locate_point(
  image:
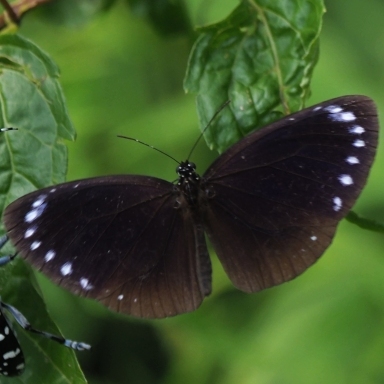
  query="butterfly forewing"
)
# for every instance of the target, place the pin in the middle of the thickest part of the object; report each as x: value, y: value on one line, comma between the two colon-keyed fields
x: 118, y: 239
x: 278, y: 195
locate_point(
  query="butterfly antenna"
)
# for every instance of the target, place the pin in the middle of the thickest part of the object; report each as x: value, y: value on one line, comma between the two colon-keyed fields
x: 149, y: 146
x: 207, y: 126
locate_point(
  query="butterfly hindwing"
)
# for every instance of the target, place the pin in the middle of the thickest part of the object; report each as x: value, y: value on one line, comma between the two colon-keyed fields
x: 278, y: 194
x: 117, y: 239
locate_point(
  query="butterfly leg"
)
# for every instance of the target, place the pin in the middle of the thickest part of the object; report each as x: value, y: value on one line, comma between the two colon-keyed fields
x: 24, y: 323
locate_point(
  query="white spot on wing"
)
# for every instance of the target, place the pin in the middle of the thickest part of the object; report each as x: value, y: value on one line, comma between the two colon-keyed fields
x: 346, y: 179
x: 337, y: 203
x: 66, y: 269
x: 313, y: 238
x: 84, y: 282
x: 11, y: 354
x: 29, y: 232
x: 347, y: 116
x: 357, y: 129
x: 333, y: 109
x: 35, y: 213
x: 40, y: 200
x: 49, y: 255
x: 359, y: 143
x: 35, y: 245
x: 352, y: 160
x: 120, y: 297
x: 342, y: 116
x: 317, y: 108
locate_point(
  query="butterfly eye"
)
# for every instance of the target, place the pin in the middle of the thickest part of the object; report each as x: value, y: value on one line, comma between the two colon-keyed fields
x: 210, y: 192
x: 192, y: 165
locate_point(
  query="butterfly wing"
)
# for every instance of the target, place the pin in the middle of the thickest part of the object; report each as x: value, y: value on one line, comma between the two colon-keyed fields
x: 277, y: 196
x: 118, y: 239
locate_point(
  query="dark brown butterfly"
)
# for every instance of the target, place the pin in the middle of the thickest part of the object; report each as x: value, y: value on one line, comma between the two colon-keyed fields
x: 270, y: 206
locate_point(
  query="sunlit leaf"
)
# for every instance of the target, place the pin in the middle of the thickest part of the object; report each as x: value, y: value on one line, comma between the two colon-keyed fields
x: 261, y: 58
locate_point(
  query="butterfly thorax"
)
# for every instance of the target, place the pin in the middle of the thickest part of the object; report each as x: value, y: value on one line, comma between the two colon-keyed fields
x: 188, y: 182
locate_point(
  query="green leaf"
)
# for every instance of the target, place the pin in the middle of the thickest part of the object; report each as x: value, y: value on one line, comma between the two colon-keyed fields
x: 32, y: 157
x: 31, y: 99
x: 168, y: 17
x: 261, y: 58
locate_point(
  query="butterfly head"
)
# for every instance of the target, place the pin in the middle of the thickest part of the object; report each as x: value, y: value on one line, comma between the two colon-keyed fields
x: 189, y: 181
x: 187, y: 173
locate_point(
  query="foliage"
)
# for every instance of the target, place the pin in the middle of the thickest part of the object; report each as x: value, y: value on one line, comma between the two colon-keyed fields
x: 122, y: 74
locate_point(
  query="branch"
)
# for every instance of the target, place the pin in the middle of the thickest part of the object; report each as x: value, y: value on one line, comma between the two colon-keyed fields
x: 16, y: 10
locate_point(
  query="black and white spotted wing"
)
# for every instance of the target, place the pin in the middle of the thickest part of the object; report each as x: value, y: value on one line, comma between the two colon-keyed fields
x: 11, y: 355
x: 270, y: 205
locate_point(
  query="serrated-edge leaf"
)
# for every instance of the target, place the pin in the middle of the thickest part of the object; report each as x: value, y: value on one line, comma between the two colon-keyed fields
x: 261, y: 58
x: 44, y: 73
x: 32, y: 100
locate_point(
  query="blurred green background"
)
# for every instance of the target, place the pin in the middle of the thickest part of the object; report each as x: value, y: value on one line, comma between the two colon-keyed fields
x: 327, y: 326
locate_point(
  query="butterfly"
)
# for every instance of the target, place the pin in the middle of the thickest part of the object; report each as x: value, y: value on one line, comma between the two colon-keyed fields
x: 270, y: 206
